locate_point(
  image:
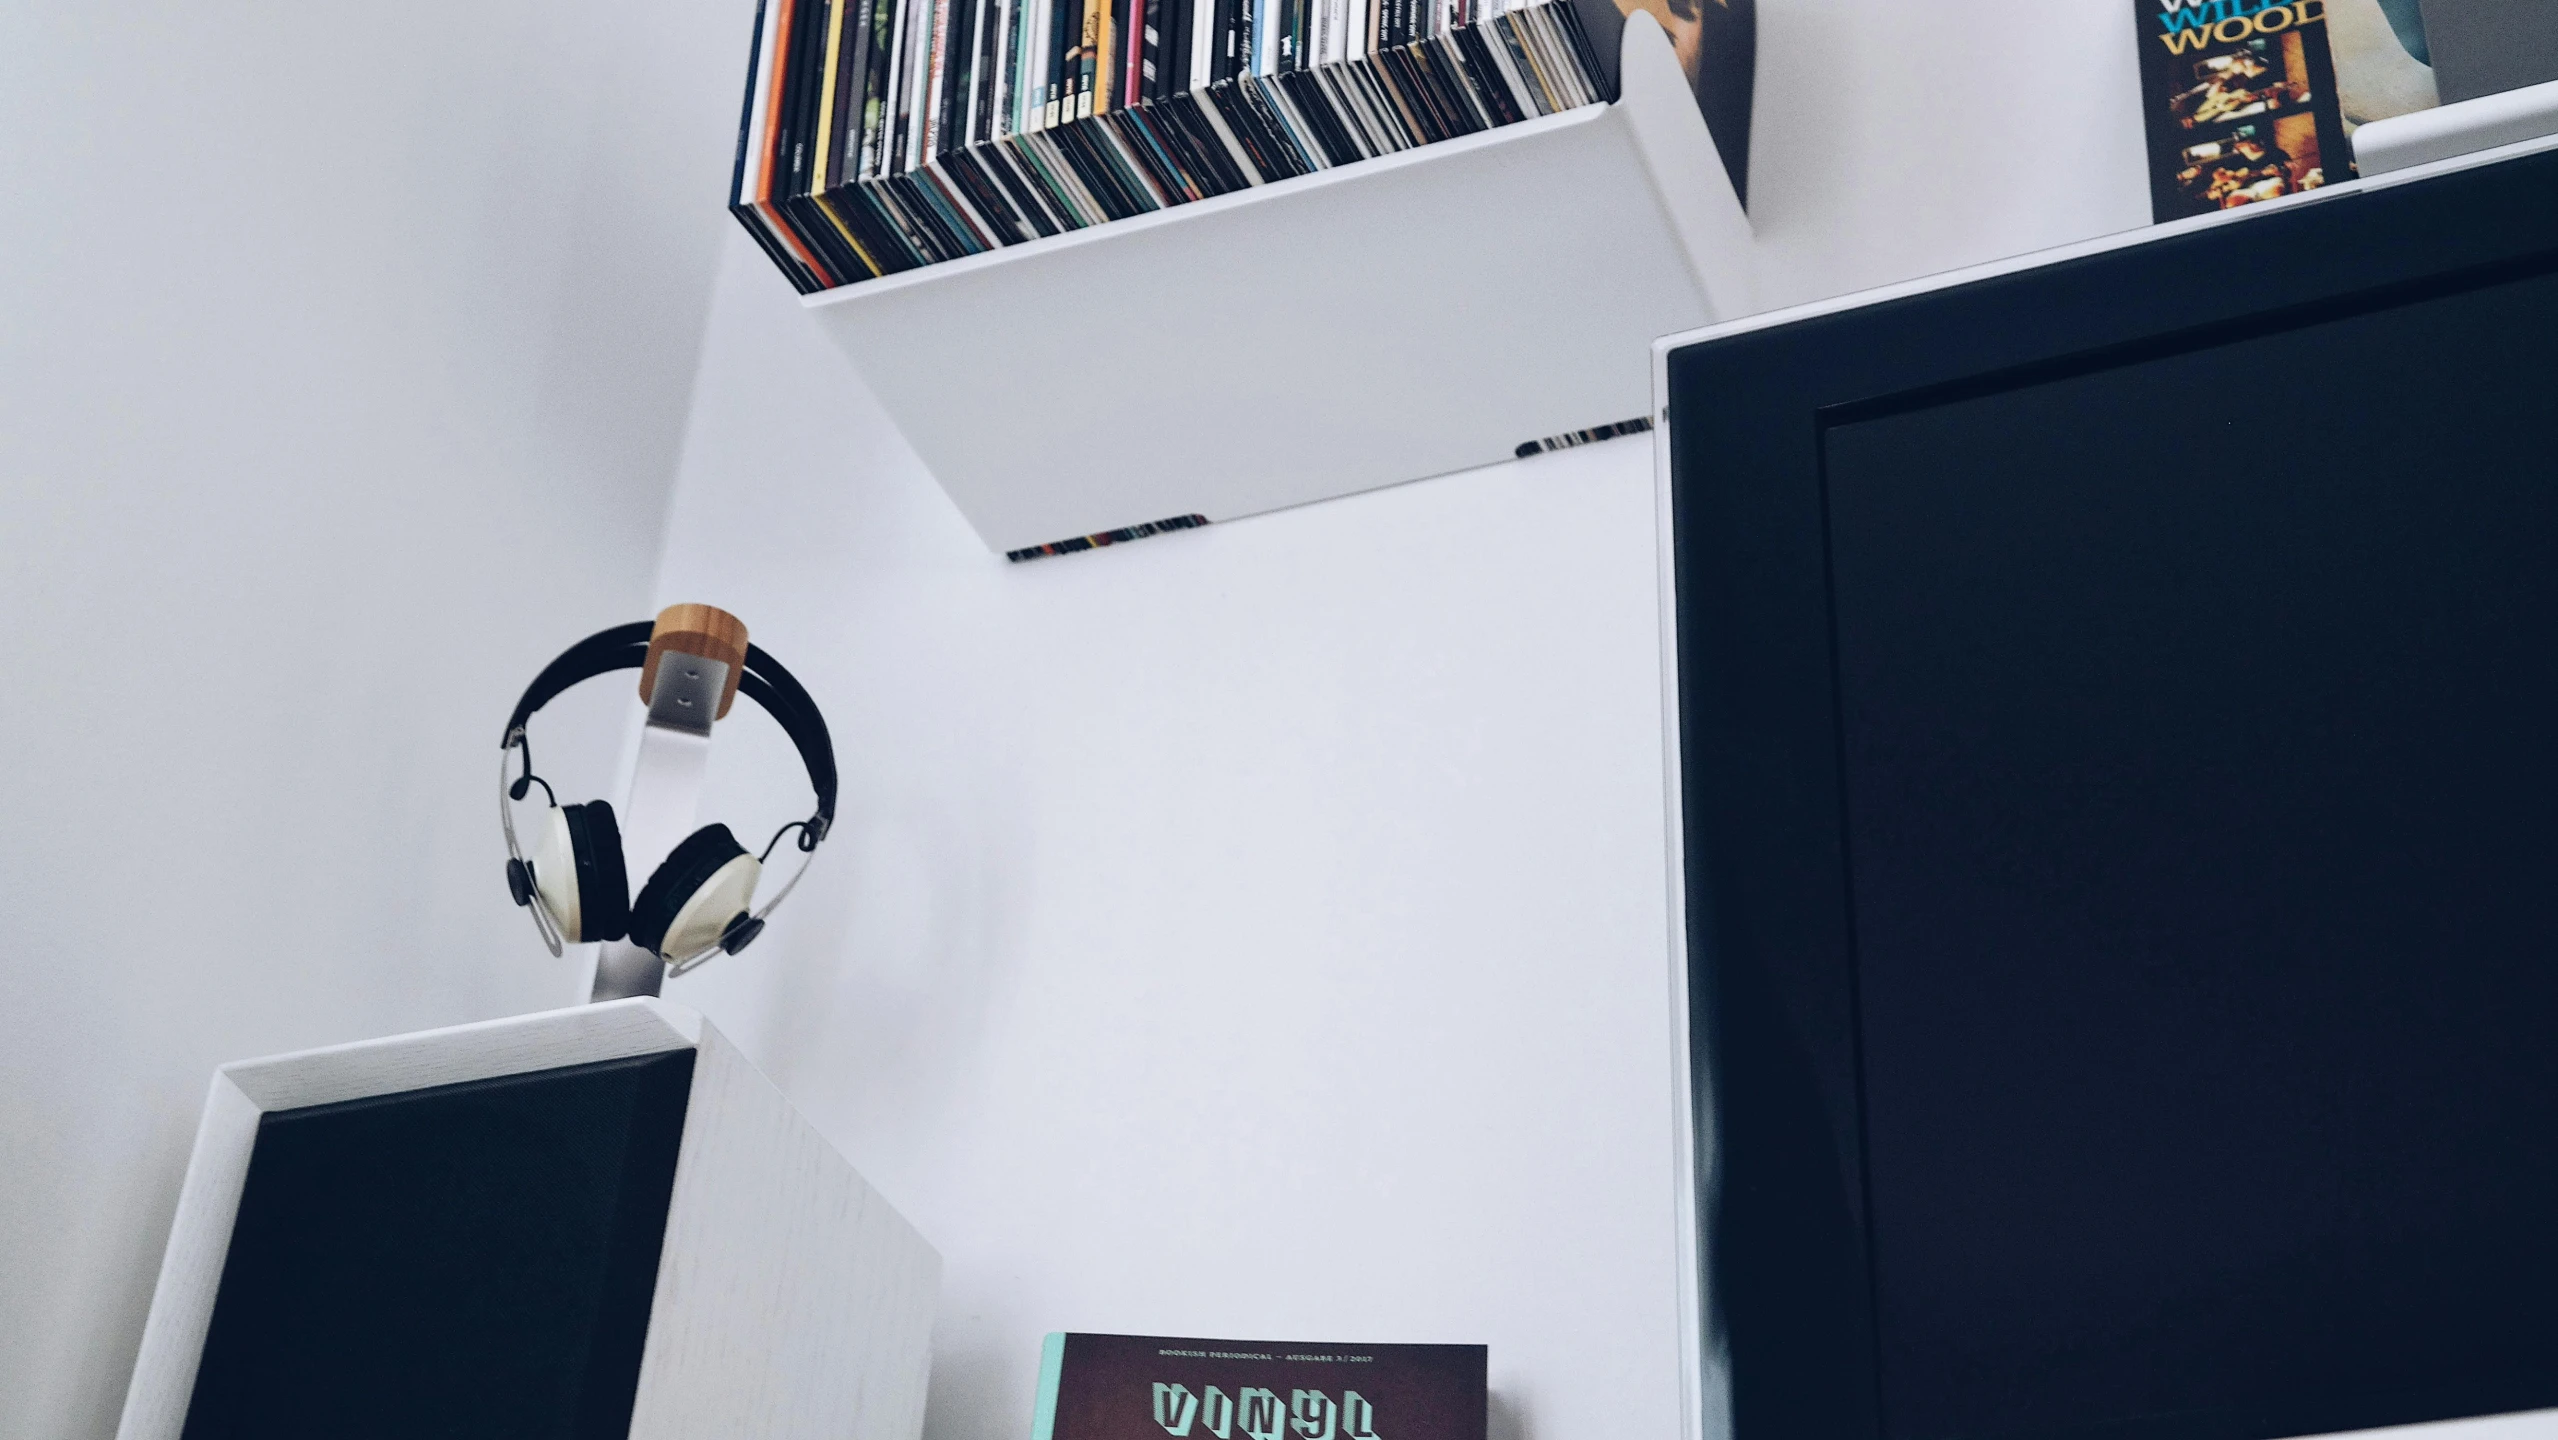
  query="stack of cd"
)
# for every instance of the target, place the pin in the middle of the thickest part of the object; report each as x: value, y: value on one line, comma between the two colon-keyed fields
x: 882, y: 135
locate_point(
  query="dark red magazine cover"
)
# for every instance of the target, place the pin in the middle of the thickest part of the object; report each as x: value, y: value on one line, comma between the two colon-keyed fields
x: 1144, y: 1387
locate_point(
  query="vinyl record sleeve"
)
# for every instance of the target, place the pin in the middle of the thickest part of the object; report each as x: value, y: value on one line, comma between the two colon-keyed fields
x: 1717, y: 43
x: 1141, y: 1387
x: 985, y: 25
x: 1003, y: 42
x: 833, y: 77
x: 878, y: 109
x: 745, y: 181
x: 803, y: 82
x: 756, y: 76
x: 934, y: 105
x: 2239, y: 102
x: 801, y: 79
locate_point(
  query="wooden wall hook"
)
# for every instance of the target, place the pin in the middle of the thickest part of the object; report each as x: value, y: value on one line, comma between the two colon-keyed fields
x: 704, y: 630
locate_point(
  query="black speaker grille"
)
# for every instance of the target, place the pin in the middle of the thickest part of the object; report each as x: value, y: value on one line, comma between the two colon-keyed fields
x: 468, y: 1260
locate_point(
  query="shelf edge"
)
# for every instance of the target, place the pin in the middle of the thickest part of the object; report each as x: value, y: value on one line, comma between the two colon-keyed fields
x: 1273, y: 192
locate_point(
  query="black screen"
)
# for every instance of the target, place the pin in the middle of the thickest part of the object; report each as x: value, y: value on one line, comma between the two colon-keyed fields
x: 2200, y: 754
x: 470, y: 1260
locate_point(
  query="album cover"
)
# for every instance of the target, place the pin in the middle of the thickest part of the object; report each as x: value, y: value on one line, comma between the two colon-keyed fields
x: 2240, y: 103
x: 1141, y: 1387
x: 1717, y: 42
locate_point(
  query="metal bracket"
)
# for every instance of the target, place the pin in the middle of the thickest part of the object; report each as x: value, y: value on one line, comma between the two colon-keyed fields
x: 688, y: 691
x: 663, y: 804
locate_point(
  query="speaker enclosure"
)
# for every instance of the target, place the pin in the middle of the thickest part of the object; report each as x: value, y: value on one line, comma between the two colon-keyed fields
x: 785, y: 1298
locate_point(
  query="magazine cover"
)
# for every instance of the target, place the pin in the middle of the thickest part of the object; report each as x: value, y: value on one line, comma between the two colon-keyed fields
x: 1148, y: 1387
x: 2249, y: 100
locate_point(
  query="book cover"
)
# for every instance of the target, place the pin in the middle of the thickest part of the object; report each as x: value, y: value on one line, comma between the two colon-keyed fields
x: 1144, y: 1387
x: 2239, y: 102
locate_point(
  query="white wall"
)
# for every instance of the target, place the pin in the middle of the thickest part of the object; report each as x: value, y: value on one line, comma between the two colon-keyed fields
x: 1260, y: 932
x: 1256, y: 931
x: 1254, y: 937
x: 343, y: 356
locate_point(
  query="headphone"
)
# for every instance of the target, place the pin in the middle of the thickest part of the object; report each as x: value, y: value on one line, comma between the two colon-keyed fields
x: 697, y: 903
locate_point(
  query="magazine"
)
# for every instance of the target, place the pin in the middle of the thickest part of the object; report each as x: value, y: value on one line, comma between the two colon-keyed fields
x: 1145, y: 1387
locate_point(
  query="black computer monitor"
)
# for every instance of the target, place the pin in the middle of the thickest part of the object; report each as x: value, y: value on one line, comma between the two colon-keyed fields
x: 2118, y: 726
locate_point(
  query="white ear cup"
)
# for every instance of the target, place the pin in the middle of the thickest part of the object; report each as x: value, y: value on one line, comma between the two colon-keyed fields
x: 555, y: 874
x: 704, y: 916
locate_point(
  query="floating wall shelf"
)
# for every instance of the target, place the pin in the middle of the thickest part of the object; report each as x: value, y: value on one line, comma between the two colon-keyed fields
x: 1411, y: 315
x: 2461, y: 128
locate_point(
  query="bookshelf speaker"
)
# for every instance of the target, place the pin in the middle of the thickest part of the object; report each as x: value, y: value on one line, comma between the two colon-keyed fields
x: 593, y: 1223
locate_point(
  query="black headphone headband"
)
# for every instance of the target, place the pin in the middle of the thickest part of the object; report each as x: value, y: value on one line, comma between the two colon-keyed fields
x: 764, y: 681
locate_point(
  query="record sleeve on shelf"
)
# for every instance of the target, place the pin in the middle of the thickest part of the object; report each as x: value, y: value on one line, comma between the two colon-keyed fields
x: 2249, y: 100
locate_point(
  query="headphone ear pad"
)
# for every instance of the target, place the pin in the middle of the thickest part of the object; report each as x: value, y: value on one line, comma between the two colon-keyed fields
x: 603, y: 886
x: 704, y: 883
x: 552, y: 868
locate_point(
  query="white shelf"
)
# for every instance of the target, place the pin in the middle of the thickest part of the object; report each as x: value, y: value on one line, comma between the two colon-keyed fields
x: 1420, y: 313
x: 2403, y: 141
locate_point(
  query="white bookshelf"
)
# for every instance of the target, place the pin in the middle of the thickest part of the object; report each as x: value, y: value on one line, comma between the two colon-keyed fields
x: 1407, y: 316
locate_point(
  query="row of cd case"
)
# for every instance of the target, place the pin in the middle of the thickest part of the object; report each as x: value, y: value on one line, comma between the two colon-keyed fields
x: 883, y: 135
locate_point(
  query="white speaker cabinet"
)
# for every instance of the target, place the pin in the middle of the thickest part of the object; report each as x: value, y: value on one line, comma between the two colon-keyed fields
x: 599, y: 1221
